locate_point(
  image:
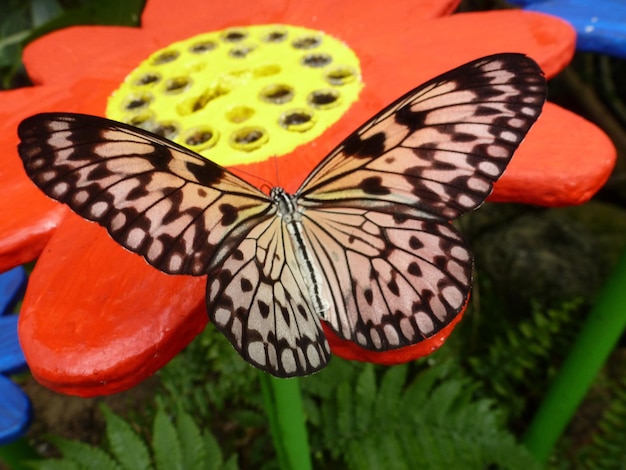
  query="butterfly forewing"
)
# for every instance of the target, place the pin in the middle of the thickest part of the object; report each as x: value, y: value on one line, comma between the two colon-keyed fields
x: 183, y: 213
x: 439, y: 148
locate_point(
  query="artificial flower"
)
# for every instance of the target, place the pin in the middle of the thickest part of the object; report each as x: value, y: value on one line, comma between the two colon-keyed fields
x: 96, y: 319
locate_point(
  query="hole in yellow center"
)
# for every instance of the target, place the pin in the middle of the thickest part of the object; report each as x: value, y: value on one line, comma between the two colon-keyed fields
x: 242, y: 94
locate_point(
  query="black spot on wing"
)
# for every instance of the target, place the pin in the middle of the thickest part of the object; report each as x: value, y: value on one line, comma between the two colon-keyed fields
x: 415, y: 243
x: 374, y: 186
x: 374, y: 145
x: 229, y: 214
x: 264, y: 309
x: 246, y: 285
x: 411, y: 119
x: 207, y: 174
x: 414, y: 269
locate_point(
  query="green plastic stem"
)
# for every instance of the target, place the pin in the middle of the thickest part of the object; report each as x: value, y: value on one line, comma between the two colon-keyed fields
x: 596, y: 340
x: 283, y: 404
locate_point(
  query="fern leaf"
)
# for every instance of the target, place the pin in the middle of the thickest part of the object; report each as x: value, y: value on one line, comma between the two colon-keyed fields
x: 365, y: 394
x: 193, y: 451
x: 213, y: 459
x: 231, y: 464
x: 126, y: 445
x: 165, y: 443
x: 84, y: 455
x: 54, y: 464
x: 389, y: 392
x: 434, y: 423
x: 344, y: 414
x: 606, y: 449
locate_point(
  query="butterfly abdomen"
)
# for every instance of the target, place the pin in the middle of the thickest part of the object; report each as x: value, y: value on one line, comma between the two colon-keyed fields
x: 290, y: 214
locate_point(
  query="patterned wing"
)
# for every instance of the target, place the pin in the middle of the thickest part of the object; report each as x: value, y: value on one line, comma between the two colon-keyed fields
x: 394, y: 279
x: 259, y: 300
x: 376, y: 211
x: 185, y: 215
x: 181, y: 212
x: 440, y: 147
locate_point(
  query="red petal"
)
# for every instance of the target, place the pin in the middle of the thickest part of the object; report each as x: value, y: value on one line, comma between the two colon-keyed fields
x: 349, y: 350
x: 365, y: 17
x: 565, y: 160
x: 97, y: 319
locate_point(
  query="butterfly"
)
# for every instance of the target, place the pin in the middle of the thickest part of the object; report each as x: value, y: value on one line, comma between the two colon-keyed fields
x: 365, y: 245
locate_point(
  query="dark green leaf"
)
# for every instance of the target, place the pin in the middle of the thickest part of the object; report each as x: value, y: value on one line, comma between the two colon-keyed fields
x: 127, y: 446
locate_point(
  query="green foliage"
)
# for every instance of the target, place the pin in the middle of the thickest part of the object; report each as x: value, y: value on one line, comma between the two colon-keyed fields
x: 208, y: 376
x: 177, y: 444
x: 209, y: 380
x: 518, y: 363
x: 433, y: 421
x: 21, y: 22
x: 607, y: 449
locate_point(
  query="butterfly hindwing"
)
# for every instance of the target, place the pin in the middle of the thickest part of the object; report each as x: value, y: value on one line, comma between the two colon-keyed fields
x: 180, y: 211
x: 258, y: 299
x: 440, y: 147
x: 394, y: 279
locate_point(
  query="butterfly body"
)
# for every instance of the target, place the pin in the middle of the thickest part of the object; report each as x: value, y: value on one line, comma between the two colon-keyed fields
x: 365, y: 244
x: 290, y: 214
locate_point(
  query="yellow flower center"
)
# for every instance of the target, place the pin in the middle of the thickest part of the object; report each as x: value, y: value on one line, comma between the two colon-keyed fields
x: 241, y: 95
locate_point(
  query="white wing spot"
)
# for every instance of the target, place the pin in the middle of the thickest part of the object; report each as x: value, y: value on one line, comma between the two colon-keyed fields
x: 135, y: 238
x: 466, y: 201
x: 478, y: 184
x: 81, y: 196
x: 460, y: 253
x: 256, y: 351
x: 407, y: 328
x: 99, y: 208
x: 375, y: 338
x: 288, y: 360
x: 222, y: 316
x: 175, y: 263
x: 425, y: 323
x: 360, y: 338
x: 47, y: 175
x: 489, y: 168
x: 509, y: 136
x: 118, y: 220
x: 453, y: 296
x: 497, y: 151
x: 392, y: 335
x: 155, y: 250
x: 313, y: 356
x: 37, y: 163
x: 60, y: 189
x: 237, y: 330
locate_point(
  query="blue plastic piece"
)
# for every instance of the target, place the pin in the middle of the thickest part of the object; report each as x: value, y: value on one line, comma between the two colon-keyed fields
x: 12, y: 287
x: 15, y: 411
x: 600, y: 24
x: 15, y: 407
